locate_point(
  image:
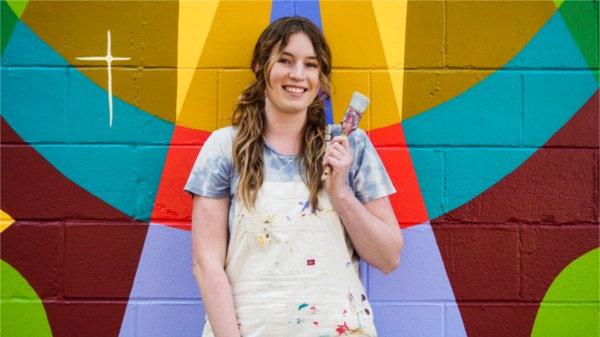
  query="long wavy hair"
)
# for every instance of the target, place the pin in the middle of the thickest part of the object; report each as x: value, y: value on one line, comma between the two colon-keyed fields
x: 249, y: 114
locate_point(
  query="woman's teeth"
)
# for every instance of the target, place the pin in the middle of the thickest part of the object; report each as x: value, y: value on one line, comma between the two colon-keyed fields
x: 295, y: 90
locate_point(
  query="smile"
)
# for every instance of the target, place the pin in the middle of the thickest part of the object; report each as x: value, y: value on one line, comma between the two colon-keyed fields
x: 294, y: 90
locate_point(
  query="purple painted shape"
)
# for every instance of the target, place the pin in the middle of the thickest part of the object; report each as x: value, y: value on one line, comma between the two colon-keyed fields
x: 420, y: 277
x: 164, y: 274
x: 452, y: 315
x: 171, y: 319
x: 408, y: 320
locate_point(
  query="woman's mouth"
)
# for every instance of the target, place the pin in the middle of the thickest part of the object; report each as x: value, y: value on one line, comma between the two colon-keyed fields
x: 294, y: 90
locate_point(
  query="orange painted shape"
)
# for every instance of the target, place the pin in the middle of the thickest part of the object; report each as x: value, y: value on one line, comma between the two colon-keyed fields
x: 408, y: 202
x: 173, y: 206
x: 5, y: 221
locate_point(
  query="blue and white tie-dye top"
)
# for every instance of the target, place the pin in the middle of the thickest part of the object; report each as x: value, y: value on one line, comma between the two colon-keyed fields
x: 214, y: 174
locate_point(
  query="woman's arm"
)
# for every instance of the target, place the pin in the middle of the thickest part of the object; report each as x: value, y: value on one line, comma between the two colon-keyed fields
x: 372, y: 226
x: 209, y: 248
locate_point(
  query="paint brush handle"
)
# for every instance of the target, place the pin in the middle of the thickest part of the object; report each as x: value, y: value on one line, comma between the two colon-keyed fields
x: 328, y: 168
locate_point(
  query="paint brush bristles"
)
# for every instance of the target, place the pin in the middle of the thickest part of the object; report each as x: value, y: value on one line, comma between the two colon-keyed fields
x: 356, y: 108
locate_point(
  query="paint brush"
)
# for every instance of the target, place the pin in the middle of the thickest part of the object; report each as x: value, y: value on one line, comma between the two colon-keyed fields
x: 354, y: 112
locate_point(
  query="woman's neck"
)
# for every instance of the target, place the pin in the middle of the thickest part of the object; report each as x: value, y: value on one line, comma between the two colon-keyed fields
x: 284, y: 131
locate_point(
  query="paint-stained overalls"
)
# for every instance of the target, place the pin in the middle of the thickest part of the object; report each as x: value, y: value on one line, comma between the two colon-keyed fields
x: 290, y: 270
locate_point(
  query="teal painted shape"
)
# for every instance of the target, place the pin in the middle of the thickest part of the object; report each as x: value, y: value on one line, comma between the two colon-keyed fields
x: 121, y: 165
x: 490, y: 115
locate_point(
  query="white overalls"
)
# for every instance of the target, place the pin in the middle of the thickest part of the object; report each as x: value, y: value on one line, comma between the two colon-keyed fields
x: 290, y: 270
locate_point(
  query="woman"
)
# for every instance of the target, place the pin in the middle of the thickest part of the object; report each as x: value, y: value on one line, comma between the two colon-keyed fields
x: 273, y: 245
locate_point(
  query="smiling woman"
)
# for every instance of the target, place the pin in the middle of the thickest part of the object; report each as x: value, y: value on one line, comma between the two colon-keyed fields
x: 275, y: 249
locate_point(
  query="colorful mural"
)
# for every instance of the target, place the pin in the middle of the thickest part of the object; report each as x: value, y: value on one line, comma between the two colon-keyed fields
x: 485, y: 114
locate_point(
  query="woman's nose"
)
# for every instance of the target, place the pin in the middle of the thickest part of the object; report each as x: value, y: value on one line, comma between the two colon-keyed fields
x: 297, y: 71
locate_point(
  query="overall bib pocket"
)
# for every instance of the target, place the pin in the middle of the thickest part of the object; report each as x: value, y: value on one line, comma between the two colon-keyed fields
x: 282, y: 247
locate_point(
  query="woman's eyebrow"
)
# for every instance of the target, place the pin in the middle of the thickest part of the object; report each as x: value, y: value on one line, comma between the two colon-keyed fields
x: 292, y: 55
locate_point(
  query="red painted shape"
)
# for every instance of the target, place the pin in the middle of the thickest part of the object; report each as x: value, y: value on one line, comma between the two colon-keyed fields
x: 510, y: 242
x: 173, y: 206
x: 310, y: 262
x: 408, y: 202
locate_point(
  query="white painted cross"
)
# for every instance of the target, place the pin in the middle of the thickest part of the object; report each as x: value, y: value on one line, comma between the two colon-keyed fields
x: 109, y: 59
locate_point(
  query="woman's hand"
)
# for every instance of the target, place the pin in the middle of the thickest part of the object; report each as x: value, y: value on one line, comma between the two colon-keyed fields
x: 338, y: 156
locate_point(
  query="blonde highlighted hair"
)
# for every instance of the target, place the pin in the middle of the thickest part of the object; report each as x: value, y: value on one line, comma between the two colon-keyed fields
x: 249, y: 117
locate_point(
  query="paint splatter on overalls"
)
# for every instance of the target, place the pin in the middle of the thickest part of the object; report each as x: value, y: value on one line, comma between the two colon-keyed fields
x: 290, y: 270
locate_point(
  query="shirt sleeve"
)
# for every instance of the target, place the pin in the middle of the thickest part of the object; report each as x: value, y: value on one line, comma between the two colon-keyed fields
x: 368, y: 177
x: 211, y: 173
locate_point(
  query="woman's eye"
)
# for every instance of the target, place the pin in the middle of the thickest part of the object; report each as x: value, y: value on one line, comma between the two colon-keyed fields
x: 286, y: 61
x: 312, y: 65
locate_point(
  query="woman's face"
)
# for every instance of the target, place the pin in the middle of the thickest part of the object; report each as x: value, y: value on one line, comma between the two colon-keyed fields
x: 294, y: 78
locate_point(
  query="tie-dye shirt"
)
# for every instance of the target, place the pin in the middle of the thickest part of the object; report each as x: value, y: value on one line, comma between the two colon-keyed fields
x: 214, y: 175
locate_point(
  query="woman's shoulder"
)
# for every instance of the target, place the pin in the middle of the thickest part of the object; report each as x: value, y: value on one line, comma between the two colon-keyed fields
x: 222, y: 139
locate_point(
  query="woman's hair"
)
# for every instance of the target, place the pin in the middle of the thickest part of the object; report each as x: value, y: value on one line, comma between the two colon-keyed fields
x: 249, y: 115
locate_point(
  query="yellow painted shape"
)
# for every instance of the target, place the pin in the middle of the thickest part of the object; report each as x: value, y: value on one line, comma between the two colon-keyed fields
x: 231, y: 84
x: 558, y: 2
x: 17, y: 6
x: 374, y: 41
x: 199, y: 110
x: 5, y: 221
x: 228, y: 47
x: 352, y: 33
x: 195, y: 20
x: 385, y: 110
x: 345, y: 82
x: 487, y: 34
x: 391, y: 21
x: 424, y: 35
x: 235, y: 30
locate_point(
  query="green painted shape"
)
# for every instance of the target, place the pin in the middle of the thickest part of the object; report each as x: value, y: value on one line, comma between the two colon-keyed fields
x: 9, y: 21
x: 571, y: 307
x: 558, y: 2
x: 17, y: 6
x: 22, y: 311
x: 581, y: 18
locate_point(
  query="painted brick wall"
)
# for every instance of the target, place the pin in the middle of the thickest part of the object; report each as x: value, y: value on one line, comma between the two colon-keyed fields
x: 485, y: 114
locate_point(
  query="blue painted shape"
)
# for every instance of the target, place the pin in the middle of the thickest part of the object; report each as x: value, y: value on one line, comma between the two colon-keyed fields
x: 309, y: 9
x: 409, y: 319
x: 420, y: 277
x: 27, y: 51
x: 165, y: 272
x: 281, y: 8
x: 490, y: 113
x: 20, y: 107
x: 125, y: 176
